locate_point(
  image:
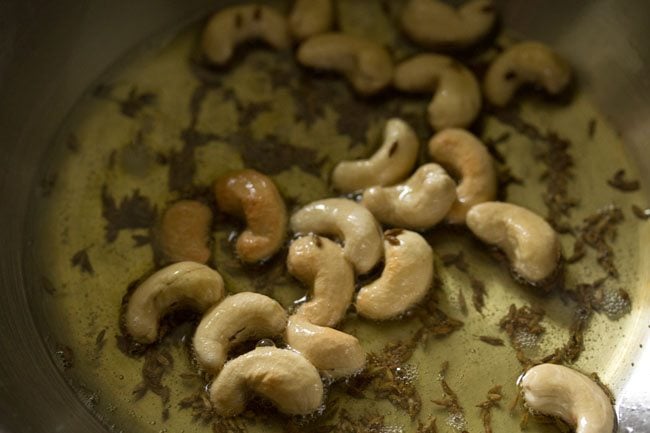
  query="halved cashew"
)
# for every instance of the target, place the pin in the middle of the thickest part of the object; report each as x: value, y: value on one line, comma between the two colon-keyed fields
x: 321, y: 264
x: 237, y: 318
x: 531, y: 244
x: 406, y: 278
x: 348, y: 220
x: 366, y: 64
x: 461, y: 152
x: 457, y: 95
x: 252, y: 195
x: 525, y: 62
x: 334, y: 353
x: 391, y: 163
x: 562, y: 392
x: 435, y: 24
x: 311, y: 17
x: 282, y: 376
x: 185, y: 232
x: 231, y: 26
x: 184, y: 284
x: 419, y: 203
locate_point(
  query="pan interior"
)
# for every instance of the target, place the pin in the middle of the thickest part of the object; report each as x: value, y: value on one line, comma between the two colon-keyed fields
x: 158, y: 128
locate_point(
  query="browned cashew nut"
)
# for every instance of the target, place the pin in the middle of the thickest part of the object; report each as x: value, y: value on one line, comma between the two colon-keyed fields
x: 321, y: 264
x: 234, y: 25
x: 461, y: 152
x: 334, y: 353
x: 525, y: 62
x: 252, y: 195
x: 184, y: 284
x: 456, y: 93
x: 366, y: 64
x: 406, y: 278
x: 236, y: 319
x: 311, y: 17
x: 437, y: 25
x: 282, y: 376
x: 531, y: 244
x: 391, y: 163
x: 184, y: 232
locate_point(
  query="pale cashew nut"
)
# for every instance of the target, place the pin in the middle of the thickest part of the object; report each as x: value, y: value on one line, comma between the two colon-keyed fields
x: 321, y: 264
x: 419, y: 203
x: 406, y: 278
x: 562, y: 392
x: 231, y: 26
x: 236, y: 319
x: 525, y: 62
x: 334, y: 353
x: 252, y: 195
x: 311, y: 17
x: 184, y: 232
x: 457, y: 95
x: 391, y: 163
x: 461, y: 152
x: 282, y: 376
x: 348, y: 220
x: 531, y: 244
x: 181, y: 285
x: 437, y: 25
x: 366, y: 64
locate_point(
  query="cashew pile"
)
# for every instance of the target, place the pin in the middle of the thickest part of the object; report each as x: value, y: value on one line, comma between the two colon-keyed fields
x: 181, y: 285
x: 419, y: 203
x: 393, y: 192
x: 562, y: 392
x: 462, y: 153
x: 456, y: 93
x: 531, y: 244
x: 367, y: 65
x: 434, y: 24
x: 232, y: 26
x: 525, y: 62
x: 253, y: 196
x: 311, y: 17
x: 406, y: 278
x: 185, y: 232
x: 391, y: 163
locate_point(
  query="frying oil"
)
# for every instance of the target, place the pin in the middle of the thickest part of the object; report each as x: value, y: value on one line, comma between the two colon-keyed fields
x: 160, y: 127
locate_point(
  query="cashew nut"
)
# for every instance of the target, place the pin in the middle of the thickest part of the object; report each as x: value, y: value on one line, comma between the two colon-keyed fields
x: 406, y: 278
x: 185, y: 232
x: 184, y: 284
x: 366, y: 64
x: 461, y: 152
x: 320, y: 264
x: 437, y: 25
x: 391, y: 163
x: 250, y: 194
x: 531, y: 244
x: 231, y: 26
x: 334, y: 353
x: 419, y: 203
x: 354, y: 224
x: 564, y: 393
x: 282, y: 376
x: 311, y: 17
x: 457, y: 95
x: 237, y: 318
x: 525, y: 62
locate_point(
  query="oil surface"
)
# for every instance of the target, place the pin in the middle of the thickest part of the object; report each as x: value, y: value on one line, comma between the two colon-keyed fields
x: 160, y: 128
